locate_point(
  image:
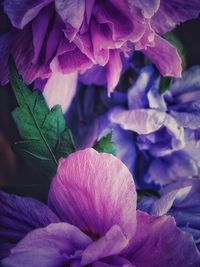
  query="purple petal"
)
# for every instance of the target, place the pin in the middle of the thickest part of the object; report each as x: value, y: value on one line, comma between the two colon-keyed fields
x: 18, y: 216
x: 189, y: 82
x: 114, y: 68
x: 142, y: 121
x: 71, y: 11
x: 53, y: 246
x: 137, y: 93
x: 23, y: 54
x: 111, y: 244
x: 187, y: 120
x: 22, y: 12
x: 171, y: 168
x: 113, y: 14
x: 148, y: 8
x: 60, y: 89
x: 160, y: 243
x: 94, y: 192
x: 174, y: 12
x: 95, y: 75
x: 165, y: 57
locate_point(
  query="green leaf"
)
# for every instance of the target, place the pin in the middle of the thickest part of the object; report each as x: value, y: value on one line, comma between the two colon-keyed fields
x: 173, y: 39
x: 44, y: 133
x: 164, y: 84
x: 105, y: 145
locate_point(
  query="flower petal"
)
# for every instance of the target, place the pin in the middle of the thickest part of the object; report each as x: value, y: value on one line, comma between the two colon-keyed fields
x: 71, y: 11
x: 171, y: 13
x: 22, y: 12
x: 165, y: 57
x: 149, y: 8
x: 142, y: 121
x: 60, y: 89
x: 94, y: 192
x: 160, y: 243
x: 52, y: 246
x: 18, y: 216
x: 114, y: 68
x: 111, y: 244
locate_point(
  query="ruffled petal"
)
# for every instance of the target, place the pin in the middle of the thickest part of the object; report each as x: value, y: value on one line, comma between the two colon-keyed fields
x: 18, y: 216
x: 160, y: 243
x: 94, y: 192
x: 165, y: 57
x: 142, y: 121
x: 137, y: 97
x: 188, y: 83
x: 171, y: 168
x: 22, y: 12
x: 171, y: 13
x: 53, y: 246
x: 71, y: 11
x: 149, y: 8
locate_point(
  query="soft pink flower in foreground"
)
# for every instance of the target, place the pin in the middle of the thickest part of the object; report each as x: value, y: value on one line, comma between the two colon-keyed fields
x: 95, y: 222
x: 68, y: 36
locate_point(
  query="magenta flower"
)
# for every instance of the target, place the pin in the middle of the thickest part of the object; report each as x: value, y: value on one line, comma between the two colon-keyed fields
x: 91, y: 221
x: 70, y: 36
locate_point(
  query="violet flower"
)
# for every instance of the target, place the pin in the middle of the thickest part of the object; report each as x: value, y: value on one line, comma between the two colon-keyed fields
x: 157, y: 135
x: 55, y: 36
x: 180, y: 200
x: 90, y: 220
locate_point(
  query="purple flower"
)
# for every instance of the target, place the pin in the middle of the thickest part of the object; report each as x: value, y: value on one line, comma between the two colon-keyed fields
x: 49, y: 36
x: 167, y: 125
x: 157, y: 135
x: 91, y: 219
x: 180, y: 200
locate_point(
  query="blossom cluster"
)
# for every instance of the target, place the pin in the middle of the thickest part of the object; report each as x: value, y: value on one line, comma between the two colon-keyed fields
x: 104, y: 63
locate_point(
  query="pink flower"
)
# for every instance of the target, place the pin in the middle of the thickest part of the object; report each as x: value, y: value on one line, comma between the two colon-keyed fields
x: 91, y: 220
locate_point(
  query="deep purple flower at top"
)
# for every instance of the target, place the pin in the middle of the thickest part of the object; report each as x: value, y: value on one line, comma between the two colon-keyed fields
x: 91, y: 221
x: 180, y: 200
x: 56, y: 36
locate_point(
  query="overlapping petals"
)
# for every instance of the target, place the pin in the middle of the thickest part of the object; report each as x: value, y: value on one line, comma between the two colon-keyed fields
x: 75, y: 36
x: 94, y: 197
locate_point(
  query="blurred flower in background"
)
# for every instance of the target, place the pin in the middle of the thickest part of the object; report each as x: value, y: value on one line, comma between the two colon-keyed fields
x: 180, y: 200
x: 159, y: 130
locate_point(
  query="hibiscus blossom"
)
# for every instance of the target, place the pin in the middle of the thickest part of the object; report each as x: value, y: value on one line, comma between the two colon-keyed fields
x: 55, y: 36
x: 90, y: 220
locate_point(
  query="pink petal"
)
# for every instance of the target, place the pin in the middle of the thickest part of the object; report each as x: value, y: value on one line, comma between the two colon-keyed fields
x: 159, y: 242
x: 60, y: 89
x: 165, y: 57
x: 94, y: 192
